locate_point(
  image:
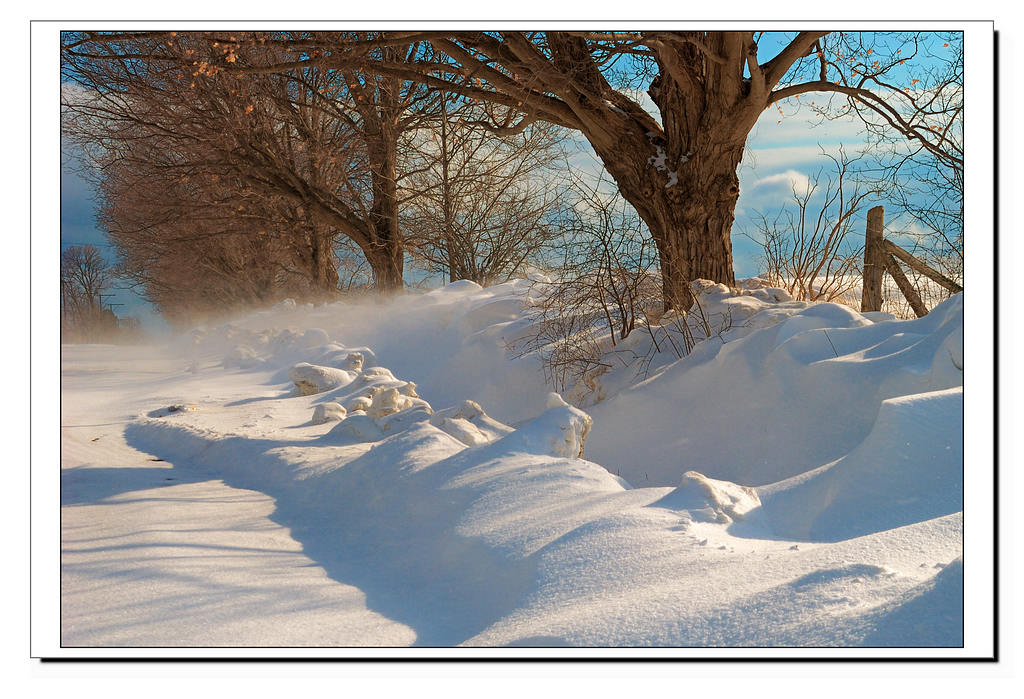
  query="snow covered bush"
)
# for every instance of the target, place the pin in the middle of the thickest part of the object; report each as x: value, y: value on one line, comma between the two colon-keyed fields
x: 328, y: 412
x: 310, y: 379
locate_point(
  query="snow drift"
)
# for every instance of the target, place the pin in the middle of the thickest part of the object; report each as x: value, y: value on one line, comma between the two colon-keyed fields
x: 779, y: 401
x: 796, y: 479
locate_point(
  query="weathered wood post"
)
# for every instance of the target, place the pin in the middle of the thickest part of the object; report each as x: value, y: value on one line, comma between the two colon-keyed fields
x: 909, y: 292
x: 874, y: 261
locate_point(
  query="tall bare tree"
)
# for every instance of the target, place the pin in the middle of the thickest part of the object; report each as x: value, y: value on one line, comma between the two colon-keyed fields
x: 709, y: 88
x: 84, y: 276
x: 477, y: 205
x: 196, y: 252
x: 324, y: 139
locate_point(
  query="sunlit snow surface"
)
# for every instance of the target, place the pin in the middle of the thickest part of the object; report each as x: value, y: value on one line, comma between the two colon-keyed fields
x: 797, y: 480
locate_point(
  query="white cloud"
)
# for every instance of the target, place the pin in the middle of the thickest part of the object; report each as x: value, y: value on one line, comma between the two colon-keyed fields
x: 788, y: 182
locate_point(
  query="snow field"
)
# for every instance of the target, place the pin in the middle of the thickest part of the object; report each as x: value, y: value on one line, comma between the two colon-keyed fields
x: 158, y: 556
x: 795, y: 480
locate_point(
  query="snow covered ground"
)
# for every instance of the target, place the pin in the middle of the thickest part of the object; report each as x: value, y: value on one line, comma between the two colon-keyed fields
x: 385, y: 474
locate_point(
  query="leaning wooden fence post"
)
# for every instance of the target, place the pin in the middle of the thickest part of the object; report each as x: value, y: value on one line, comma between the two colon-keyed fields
x: 909, y: 292
x: 874, y: 261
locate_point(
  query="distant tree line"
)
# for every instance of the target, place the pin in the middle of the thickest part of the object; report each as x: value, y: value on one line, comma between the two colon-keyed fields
x: 84, y: 276
x: 220, y: 190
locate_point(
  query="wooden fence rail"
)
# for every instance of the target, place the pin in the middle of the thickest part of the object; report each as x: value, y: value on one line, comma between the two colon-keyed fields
x: 880, y: 256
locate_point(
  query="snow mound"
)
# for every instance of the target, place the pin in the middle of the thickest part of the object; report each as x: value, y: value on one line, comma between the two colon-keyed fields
x: 908, y: 469
x: 560, y: 431
x: 328, y: 412
x: 289, y: 343
x: 376, y: 372
x: 711, y: 500
x: 354, y: 359
x: 469, y: 424
x: 310, y: 379
x: 357, y: 427
x: 758, y: 405
x: 243, y: 357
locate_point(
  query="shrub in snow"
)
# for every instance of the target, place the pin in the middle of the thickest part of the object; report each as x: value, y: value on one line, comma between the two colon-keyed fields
x: 311, y: 379
x: 387, y: 401
x: 354, y: 362
x: 328, y: 412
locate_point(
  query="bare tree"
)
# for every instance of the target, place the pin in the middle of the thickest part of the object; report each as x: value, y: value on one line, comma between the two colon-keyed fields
x: 325, y: 140
x: 709, y: 87
x: 476, y: 205
x: 607, y: 286
x: 84, y: 276
x: 924, y: 189
x: 201, y: 244
x: 807, y: 247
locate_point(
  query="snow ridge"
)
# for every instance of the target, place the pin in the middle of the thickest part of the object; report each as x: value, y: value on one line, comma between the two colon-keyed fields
x: 725, y: 489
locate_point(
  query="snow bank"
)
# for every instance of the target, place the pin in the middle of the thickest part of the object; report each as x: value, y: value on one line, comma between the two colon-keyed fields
x: 908, y: 469
x: 414, y: 507
x: 796, y: 478
x: 779, y: 401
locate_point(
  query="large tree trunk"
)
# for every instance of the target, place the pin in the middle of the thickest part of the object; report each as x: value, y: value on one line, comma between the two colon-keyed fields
x: 385, y: 251
x: 680, y: 175
x: 324, y: 270
x: 688, y: 204
x: 690, y: 217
